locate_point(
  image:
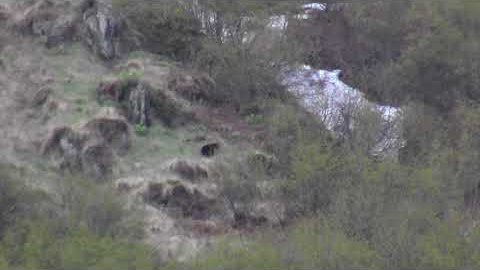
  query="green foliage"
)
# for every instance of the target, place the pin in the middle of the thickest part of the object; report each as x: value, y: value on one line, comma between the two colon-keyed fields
x: 318, y: 245
x: 255, y: 119
x: 16, y: 199
x: 130, y: 74
x: 166, y: 27
x: 310, y: 244
x: 141, y: 130
x: 38, y: 244
x: 85, y: 228
x: 231, y: 254
x: 398, y: 51
x: 450, y: 244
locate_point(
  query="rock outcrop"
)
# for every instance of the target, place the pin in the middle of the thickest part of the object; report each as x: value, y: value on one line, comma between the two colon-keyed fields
x: 89, y: 150
x: 111, y: 130
x: 180, y: 199
x: 188, y: 170
x: 142, y: 102
x: 139, y: 104
x: 131, y: 95
x: 91, y: 21
x: 104, y: 31
x: 64, y: 146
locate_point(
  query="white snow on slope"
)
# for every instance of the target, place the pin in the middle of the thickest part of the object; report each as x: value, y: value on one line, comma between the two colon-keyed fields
x: 335, y: 103
x: 314, y: 6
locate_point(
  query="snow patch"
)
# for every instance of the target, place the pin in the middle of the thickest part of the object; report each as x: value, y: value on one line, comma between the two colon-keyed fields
x: 336, y: 103
x: 314, y: 6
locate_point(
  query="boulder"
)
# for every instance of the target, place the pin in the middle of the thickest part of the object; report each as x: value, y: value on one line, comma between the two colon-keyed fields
x: 114, y: 131
x: 64, y: 145
x: 91, y: 149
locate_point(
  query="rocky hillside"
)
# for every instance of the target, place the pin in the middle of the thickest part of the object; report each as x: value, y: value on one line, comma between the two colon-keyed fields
x: 208, y: 134
x: 80, y: 97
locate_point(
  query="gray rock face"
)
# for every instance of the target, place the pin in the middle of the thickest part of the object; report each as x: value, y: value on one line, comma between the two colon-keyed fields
x: 133, y: 95
x: 91, y: 21
x: 139, y: 105
x: 101, y: 30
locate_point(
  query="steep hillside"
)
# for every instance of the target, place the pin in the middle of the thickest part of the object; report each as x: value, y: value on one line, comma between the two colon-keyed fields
x: 204, y: 134
x: 73, y: 103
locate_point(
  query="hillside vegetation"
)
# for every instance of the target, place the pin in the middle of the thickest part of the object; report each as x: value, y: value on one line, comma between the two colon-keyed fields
x: 169, y: 134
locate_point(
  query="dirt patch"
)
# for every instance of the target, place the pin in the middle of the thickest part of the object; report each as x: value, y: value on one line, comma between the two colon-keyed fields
x: 193, y: 87
x: 180, y: 199
x: 114, y: 131
x: 188, y: 170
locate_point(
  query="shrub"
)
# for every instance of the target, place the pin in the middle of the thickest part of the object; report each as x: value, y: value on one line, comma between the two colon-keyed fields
x: 231, y: 254
x: 309, y: 244
x: 449, y: 244
x: 317, y: 244
x: 167, y: 27
x: 39, y: 244
x: 254, y: 119
x: 141, y: 130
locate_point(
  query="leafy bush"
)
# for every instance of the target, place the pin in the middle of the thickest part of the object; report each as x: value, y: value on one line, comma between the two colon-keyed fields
x: 130, y: 74
x: 38, y: 244
x: 254, y: 119
x: 309, y: 244
x: 141, y: 130
x: 449, y: 244
x: 231, y: 254
x: 166, y: 27
x: 316, y: 244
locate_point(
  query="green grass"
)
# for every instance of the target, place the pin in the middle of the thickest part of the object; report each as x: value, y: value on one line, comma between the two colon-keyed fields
x: 309, y: 244
x: 160, y: 144
x: 73, y: 86
x: 137, y: 54
x: 130, y: 74
x: 73, y: 47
